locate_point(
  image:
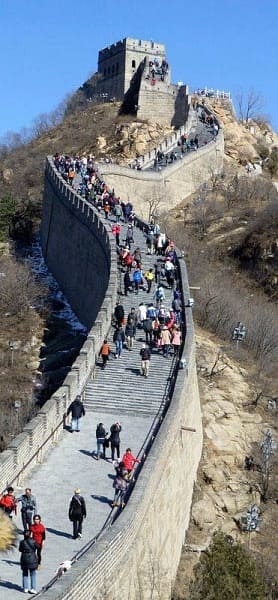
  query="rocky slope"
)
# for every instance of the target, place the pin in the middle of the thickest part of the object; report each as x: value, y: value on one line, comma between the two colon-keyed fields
x: 233, y: 427
x: 243, y: 141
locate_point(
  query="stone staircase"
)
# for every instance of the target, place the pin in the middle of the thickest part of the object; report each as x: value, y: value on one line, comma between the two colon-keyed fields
x: 120, y: 387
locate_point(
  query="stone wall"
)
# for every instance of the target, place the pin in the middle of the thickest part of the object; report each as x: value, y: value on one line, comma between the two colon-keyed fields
x: 30, y: 447
x: 164, y: 102
x: 137, y: 558
x: 173, y: 184
x: 76, y: 246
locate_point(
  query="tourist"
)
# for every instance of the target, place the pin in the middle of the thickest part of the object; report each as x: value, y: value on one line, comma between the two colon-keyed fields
x: 129, y: 236
x: 129, y: 460
x: 159, y: 296
x: 38, y: 534
x: 118, y: 339
x: 165, y: 340
x: 119, y: 314
x: 149, y: 277
x: 145, y: 354
x: 130, y: 332
x: 28, y: 562
x: 127, y: 282
x: 141, y: 313
x: 8, y: 502
x: 159, y: 271
x: 115, y: 441
x: 118, y: 212
x: 176, y: 340
x: 137, y: 279
x: 148, y: 329
x: 177, y: 308
x: 28, y: 507
x: 77, y: 512
x: 101, y: 434
x: 104, y: 353
x: 120, y: 486
x: 77, y: 410
x: 132, y: 315
x: 151, y: 311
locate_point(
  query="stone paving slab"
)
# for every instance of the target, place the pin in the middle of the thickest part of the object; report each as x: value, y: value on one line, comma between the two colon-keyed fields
x: 67, y: 466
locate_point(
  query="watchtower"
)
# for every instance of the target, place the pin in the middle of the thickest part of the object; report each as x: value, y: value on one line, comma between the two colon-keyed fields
x: 117, y: 64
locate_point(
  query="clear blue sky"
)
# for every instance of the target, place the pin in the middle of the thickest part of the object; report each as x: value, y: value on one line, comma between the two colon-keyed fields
x: 49, y: 48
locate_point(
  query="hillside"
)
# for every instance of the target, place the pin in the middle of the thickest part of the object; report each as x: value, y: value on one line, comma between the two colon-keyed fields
x: 98, y: 130
x: 233, y: 222
x: 228, y: 231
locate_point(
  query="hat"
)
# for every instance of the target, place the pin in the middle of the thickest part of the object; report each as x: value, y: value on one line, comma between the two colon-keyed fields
x: 77, y: 491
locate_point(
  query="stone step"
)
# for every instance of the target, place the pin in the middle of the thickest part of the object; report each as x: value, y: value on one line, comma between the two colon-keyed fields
x: 120, y: 387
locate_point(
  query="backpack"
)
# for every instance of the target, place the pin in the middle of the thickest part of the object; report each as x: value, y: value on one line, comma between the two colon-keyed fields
x: 159, y: 294
x: 151, y: 312
x: 100, y: 431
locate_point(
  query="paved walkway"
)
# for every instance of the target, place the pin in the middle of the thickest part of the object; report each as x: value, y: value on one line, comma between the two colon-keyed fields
x: 70, y: 464
x: 203, y: 131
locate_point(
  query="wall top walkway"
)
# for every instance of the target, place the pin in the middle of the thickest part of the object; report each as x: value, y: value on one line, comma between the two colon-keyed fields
x: 170, y: 170
x: 53, y: 482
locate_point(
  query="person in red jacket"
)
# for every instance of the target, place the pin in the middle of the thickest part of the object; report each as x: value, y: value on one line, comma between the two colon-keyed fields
x: 8, y: 502
x: 38, y: 534
x: 129, y: 460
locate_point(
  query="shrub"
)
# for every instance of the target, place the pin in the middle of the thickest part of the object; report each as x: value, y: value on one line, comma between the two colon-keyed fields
x: 262, y: 150
x: 7, y: 211
x: 272, y: 163
x: 226, y: 572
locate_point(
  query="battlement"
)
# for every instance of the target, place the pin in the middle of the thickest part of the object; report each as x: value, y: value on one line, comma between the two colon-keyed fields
x: 148, y: 47
x: 144, y: 46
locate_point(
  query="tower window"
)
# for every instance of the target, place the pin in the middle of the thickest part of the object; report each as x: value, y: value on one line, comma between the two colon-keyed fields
x: 133, y: 64
x: 117, y: 67
x: 104, y: 72
x: 113, y: 68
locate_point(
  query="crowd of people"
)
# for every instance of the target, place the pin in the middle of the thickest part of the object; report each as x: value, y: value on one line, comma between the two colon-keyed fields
x: 34, y: 534
x: 160, y: 324
x: 157, y: 71
x: 34, y: 531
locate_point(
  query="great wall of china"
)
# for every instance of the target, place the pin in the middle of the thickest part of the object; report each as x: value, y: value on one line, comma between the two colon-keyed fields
x: 143, y: 545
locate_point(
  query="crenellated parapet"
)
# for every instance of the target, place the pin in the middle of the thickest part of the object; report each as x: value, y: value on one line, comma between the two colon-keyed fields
x: 75, y: 239
x: 140, y: 550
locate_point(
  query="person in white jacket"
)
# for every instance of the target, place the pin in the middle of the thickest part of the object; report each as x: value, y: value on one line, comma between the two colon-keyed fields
x: 141, y: 313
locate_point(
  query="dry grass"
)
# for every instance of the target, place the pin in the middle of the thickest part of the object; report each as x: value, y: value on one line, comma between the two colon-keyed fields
x: 7, y: 533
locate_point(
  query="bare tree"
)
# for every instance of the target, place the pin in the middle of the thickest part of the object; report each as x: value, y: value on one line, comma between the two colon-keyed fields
x: 18, y: 288
x: 249, y: 105
x: 154, y: 201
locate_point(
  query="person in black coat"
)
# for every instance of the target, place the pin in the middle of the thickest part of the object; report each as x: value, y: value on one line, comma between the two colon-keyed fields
x: 29, y: 562
x: 115, y: 430
x: 130, y: 332
x: 119, y: 314
x: 127, y: 282
x: 77, y: 410
x: 77, y: 512
x: 148, y: 329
